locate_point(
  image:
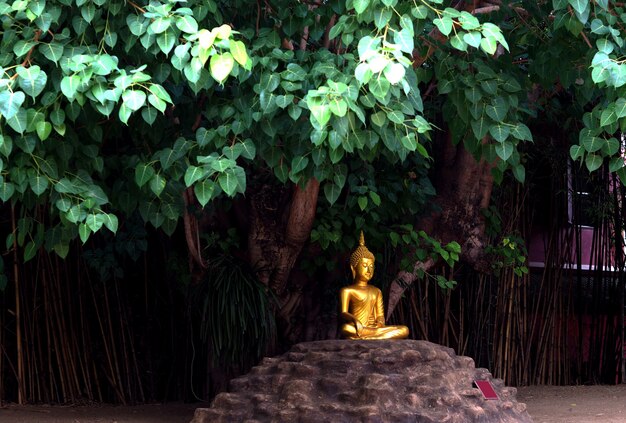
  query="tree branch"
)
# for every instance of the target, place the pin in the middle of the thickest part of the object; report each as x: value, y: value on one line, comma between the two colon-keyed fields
x: 192, y: 235
x: 402, y: 282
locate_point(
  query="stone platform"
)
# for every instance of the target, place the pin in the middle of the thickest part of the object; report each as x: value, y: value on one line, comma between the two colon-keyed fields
x: 364, y: 381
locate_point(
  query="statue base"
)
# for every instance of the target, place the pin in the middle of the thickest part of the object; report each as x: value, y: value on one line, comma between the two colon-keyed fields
x: 364, y: 381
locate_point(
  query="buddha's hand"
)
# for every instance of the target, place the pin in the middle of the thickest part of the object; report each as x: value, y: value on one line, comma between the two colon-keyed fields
x: 359, y: 327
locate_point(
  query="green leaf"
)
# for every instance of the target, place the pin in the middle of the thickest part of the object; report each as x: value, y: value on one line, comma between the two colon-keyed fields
x: 75, y: 214
x: 473, y: 38
x: 593, y: 162
x: 204, y: 191
x: 94, y: 221
x: 375, y: 198
x: 362, y: 202
x: 104, y: 65
x: 488, y: 45
x: 221, y: 65
x: 282, y: 172
x: 248, y: 149
x: 166, y: 41
x: 187, y: 24
x: 134, y: 99
x: 193, y: 174
x: 498, y: 109
x: 52, y: 51
x: 499, y: 132
x: 149, y: 114
x: 382, y: 17
x: 63, y: 204
x: 299, y: 163
x: 222, y: 164
x: 6, y: 191
x: 504, y: 150
x: 521, y: 132
x: 283, y: 101
x: 160, y: 92
x: 321, y: 113
x: 610, y: 147
x: 608, y: 116
x: 576, y: 152
x: 379, y: 87
x: 22, y: 47
x: 157, y: 184
x: 30, y: 251
x: 616, y: 163
x: 19, y: 121
x: 10, y: 103
x: 396, y: 116
x: 473, y: 94
x: 520, y: 173
x: 394, y: 72
x: 143, y: 174
x: 84, y: 232
x: 360, y: 6
x: 38, y: 183
x: 331, y: 192
x: 444, y: 25
x: 338, y: 107
x: 228, y: 182
x: 31, y: 80
x: 368, y: 47
x: 420, y: 12
x: 458, y: 43
x: 238, y: 50
x: 620, y: 107
x: 110, y: 221
x: 409, y: 142
x: 43, y: 130
x: 480, y: 127
x: 593, y: 144
x: 404, y: 39
x: 69, y: 85
x: 579, y: 5
x: 160, y: 24
x: 124, y: 113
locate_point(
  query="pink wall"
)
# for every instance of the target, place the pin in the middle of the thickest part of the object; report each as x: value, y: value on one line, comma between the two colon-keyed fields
x: 539, y: 243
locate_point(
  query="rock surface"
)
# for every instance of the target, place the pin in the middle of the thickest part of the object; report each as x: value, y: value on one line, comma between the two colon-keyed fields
x: 364, y: 381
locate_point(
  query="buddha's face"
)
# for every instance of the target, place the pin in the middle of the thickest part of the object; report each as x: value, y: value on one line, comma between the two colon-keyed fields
x: 364, y: 270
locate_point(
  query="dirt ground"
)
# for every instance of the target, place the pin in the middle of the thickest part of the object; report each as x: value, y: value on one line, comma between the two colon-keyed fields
x: 546, y: 404
x: 575, y: 404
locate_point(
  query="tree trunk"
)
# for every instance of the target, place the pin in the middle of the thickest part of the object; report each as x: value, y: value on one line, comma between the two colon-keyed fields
x: 464, y: 188
x: 278, y: 231
x: 277, y: 234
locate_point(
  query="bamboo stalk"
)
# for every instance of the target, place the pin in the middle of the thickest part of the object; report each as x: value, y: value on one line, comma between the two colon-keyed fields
x: 111, y: 339
x: 82, y: 342
x: 18, y: 323
x: 2, y: 342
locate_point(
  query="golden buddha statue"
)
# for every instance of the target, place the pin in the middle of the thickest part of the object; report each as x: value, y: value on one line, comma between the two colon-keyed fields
x: 362, y: 304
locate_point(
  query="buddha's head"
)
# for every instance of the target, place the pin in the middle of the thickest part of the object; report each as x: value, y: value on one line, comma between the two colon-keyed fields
x: 362, y: 261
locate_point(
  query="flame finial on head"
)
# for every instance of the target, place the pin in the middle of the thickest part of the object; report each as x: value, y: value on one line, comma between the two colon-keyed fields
x: 360, y: 252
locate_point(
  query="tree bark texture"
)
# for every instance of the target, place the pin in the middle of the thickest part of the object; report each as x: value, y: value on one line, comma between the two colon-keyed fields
x: 278, y: 233
x: 464, y: 187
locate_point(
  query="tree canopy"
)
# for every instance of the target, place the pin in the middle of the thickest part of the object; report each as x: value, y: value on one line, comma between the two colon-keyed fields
x: 160, y: 109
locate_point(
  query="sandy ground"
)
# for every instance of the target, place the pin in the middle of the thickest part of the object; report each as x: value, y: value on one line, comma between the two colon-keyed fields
x: 158, y: 413
x: 575, y: 404
x: 546, y: 404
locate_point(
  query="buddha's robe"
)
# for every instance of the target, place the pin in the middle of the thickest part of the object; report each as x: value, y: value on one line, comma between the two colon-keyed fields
x: 365, y: 303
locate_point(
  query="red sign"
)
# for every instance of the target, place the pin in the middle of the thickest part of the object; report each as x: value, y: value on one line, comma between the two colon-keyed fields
x: 487, y: 389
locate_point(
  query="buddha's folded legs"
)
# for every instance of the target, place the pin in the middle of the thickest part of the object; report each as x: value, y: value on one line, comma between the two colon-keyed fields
x: 386, y: 332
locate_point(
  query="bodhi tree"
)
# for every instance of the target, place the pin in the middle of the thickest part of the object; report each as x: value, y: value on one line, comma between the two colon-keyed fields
x: 290, y: 121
